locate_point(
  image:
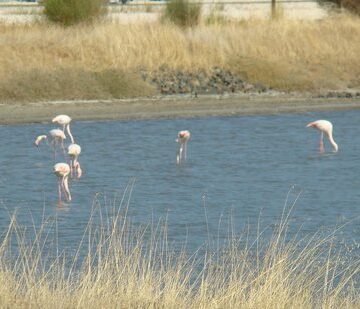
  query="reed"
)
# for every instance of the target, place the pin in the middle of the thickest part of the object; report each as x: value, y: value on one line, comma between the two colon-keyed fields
x: 137, y: 267
x: 284, y: 54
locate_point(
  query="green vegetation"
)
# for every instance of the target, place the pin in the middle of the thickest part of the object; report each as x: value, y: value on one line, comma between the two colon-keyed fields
x: 182, y: 13
x: 70, y: 12
x: 352, y: 5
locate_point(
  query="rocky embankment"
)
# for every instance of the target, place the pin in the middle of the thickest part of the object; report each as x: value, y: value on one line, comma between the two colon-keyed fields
x: 215, y: 81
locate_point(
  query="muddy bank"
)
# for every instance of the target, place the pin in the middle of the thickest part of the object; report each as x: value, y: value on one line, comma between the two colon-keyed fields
x: 170, y: 107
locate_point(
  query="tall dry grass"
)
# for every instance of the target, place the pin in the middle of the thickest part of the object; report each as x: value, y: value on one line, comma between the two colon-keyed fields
x: 138, y: 268
x: 284, y: 54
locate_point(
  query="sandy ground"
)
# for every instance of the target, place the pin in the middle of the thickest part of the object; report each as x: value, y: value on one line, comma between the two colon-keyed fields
x: 167, y: 107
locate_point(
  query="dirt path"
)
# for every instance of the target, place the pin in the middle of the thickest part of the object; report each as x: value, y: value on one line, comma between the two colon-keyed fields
x: 168, y: 108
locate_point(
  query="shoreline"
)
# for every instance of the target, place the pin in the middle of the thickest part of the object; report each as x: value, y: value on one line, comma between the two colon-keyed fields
x: 167, y: 107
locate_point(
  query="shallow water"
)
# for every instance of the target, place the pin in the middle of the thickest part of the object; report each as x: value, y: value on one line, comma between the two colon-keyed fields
x: 238, y: 167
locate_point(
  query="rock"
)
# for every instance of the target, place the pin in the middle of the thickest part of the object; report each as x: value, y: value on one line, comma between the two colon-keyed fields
x: 260, y: 87
x: 216, y: 81
x: 248, y: 87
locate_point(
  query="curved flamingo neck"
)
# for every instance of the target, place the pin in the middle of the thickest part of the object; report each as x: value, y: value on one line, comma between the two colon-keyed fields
x: 69, y: 132
x: 78, y: 169
x: 332, y: 142
x: 66, y: 187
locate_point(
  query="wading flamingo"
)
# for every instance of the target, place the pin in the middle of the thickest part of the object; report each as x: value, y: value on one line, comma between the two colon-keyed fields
x: 57, y: 137
x: 74, y: 151
x: 183, y: 138
x: 62, y: 171
x: 64, y: 120
x: 324, y: 126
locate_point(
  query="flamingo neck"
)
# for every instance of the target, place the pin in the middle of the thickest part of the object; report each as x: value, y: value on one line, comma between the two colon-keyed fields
x: 78, y: 170
x: 332, y: 142
x: 66, y: 187
x: 69, y: 132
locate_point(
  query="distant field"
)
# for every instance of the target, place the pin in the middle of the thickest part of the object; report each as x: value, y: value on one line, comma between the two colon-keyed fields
x: 41, y: 61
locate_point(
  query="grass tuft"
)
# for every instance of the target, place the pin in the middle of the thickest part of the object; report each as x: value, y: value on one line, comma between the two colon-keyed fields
x: 137, y: 267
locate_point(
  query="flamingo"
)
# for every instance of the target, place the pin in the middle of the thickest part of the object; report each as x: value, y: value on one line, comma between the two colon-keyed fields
x: 74, y: 151
x: 324, y: 126
x: 64, y: 120
x: 62, y: 171
x: 57, y: 136
x: 183, y: 138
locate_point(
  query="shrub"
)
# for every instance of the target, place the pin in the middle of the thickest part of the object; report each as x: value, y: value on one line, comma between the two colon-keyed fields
x: 70, y: 12
x: 352, y: 5
x: 182, y: 13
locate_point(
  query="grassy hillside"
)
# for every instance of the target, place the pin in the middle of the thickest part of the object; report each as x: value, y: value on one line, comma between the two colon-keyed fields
x: 43, y: 61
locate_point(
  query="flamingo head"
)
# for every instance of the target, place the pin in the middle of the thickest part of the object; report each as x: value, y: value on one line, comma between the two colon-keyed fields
x: 39, y: 139
x: 311, y: 125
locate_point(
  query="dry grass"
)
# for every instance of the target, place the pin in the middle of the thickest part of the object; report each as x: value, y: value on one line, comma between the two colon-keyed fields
x: 130, y: 268
x: 284, y: 54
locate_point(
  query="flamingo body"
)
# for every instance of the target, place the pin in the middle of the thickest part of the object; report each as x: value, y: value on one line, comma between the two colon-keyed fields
x: 62, y: 171
x: 57, y: 134
x: 325, y: 127
x: 64, y: 120
x: 74, y: 151
x: 183, y: 138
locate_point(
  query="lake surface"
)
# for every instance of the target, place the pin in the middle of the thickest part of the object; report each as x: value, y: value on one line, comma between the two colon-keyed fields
x: 238, y: 167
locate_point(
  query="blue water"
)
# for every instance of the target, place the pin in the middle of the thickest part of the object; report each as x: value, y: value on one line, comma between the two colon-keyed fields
x: 238, y: 167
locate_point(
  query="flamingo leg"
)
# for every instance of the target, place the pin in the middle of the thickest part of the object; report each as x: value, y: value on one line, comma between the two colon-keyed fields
x: 181, y: 149
x: 71, y: 168
x: 178, y: 158
x: 59, y: 185
x: 53, y: 145
x: 321, y: 144
x: 178, y: 155
x: 185, y: 150
x: 62, y: 147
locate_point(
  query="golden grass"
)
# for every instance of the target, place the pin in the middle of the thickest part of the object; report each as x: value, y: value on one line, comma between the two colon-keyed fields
x: 284, y: 54
x: 137, y: 268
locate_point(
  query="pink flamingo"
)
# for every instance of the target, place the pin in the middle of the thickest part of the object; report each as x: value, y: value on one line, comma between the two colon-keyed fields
x: 324, y: 126
x: 183, y: 138
x: 74, y: 151
x: 57, y: 136
x: 62, y: 171
x: 64, y: 120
